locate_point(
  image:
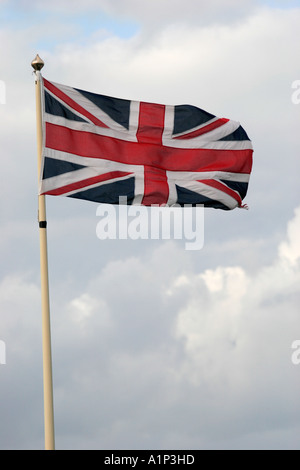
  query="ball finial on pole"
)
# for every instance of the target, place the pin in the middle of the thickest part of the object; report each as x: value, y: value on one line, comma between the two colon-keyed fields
x: 37, y: 63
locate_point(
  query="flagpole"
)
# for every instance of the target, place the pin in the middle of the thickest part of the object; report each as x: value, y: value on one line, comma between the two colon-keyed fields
x: 37, y: 65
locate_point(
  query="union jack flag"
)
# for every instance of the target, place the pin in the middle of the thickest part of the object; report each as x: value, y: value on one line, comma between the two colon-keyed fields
x: 100, y: 148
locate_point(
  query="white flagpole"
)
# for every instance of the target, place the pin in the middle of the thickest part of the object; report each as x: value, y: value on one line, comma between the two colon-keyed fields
x: 37, y: 65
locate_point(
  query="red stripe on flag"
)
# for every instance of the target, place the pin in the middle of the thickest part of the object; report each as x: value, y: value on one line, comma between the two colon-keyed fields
x: 86, y: 144
x: 66, y: 99
x: 87, y: 182
x: 203, y: 130
x: 156, y: 188
x: 151, y: 123
x: 222, y: 187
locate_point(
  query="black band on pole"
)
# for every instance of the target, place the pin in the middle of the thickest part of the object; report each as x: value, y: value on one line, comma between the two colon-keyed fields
x: 43, y: 224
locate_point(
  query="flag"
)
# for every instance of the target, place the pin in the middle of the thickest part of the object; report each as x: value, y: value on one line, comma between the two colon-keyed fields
x: 101, y: 148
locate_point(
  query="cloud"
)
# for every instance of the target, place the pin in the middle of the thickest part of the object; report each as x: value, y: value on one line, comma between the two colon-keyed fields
x: 237, y: 330
x: 155, y: 12
x: 175, y: 355
x: 186, y: 62
x: 213, y: 345
x: 227, y: 295
x: 290, y: 249
x: 21, y: 392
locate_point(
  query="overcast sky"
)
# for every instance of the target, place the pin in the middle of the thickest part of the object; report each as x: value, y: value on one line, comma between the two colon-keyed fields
x: 155, y: 346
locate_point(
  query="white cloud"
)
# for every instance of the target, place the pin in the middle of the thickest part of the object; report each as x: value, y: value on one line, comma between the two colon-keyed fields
x: 152, y: 335
x: 237, y: 330
x: 290, y: 249
x: 218, y: 337
x: 154, y: 12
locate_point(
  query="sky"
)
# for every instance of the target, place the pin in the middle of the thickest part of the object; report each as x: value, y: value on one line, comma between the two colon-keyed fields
x: 155, y: 346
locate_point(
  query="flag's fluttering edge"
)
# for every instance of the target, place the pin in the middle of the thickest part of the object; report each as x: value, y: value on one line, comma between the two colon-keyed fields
x: 99, y: 148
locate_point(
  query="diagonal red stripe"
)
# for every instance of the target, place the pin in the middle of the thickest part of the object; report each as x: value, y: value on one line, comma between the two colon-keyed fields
x: 87, y: 182
x: 222, y: 187
x: 66, y: 99
x: 204, y: 130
